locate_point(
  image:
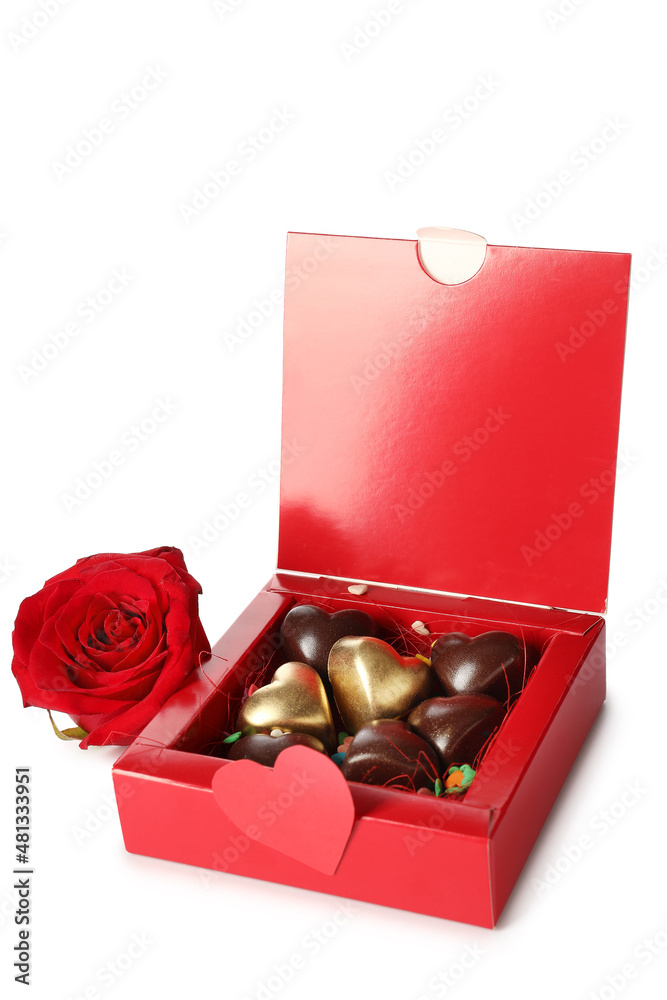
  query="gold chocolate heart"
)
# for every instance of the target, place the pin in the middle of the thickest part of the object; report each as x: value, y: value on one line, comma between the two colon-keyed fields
x: 295, y: 701
x: 371, y: 681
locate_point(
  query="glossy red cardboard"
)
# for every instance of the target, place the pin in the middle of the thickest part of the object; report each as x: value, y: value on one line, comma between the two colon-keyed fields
x: 364, y: 449
x: 451, y: 435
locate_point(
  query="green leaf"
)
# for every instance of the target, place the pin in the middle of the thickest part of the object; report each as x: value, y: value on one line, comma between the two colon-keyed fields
x: 233, y: 738
x: 75, y: 733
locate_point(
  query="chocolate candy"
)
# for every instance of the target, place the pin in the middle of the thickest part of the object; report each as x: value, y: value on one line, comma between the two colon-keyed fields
x: 387, y: 752
x: 457, y: 728
x: 371, y: 680
x: 295, y: 701
x: 264, y: 749
x: 492, y: 664
x: 308, y: 633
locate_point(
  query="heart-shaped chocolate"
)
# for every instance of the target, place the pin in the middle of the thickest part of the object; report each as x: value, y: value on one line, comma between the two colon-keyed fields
x: 295, y: 700
x: 387, y: 752
x: 492, y: 663
x: 371, y: 680
x: 308, y: 633
x: 457, y: 728
x: 264, y: 749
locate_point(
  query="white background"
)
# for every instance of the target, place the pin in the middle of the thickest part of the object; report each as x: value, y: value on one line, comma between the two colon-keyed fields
x: 356, y: 110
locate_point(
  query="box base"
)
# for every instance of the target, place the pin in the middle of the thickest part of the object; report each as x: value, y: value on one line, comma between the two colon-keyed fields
x: 457, y: 859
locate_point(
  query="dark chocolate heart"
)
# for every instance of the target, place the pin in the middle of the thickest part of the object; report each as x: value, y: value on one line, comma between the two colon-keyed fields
x: 387, y: 752
x: 308, y: 633
x: 457, y: 728
x: 493, y: 663
x: 264, y: 749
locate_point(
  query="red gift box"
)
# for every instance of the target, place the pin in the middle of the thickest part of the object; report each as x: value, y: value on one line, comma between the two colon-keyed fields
x: 451, y: 411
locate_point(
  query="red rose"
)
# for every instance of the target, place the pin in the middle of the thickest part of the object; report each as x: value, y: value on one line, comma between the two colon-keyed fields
x: 109, y: 640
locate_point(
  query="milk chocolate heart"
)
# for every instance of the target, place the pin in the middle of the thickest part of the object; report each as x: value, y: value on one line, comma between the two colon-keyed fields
x: 457, y: 728
x: 387, y: 752
x: 264, y: 749
x: 492, y: 663
x: 371, y: 680
x: 308, y: 633
x: 295, y: 700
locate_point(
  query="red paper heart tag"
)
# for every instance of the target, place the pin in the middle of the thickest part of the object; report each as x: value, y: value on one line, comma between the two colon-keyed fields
x: 301, y: 807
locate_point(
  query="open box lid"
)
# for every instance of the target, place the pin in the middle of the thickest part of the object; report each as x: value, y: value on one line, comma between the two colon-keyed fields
x: 452, y: 437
